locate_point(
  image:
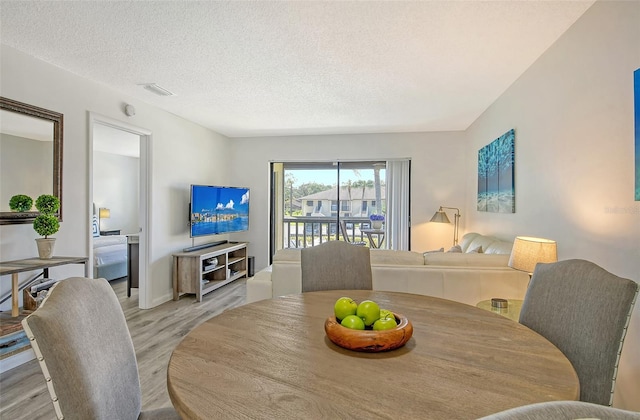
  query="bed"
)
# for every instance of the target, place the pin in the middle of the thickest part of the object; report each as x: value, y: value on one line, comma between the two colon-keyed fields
x: 110, y: 256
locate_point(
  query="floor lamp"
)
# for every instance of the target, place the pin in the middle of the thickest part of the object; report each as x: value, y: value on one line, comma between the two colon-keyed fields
x: 441, y: 217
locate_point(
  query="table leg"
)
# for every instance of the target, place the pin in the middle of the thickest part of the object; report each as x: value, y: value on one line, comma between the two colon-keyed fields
x: 372, y: 243
x: 15, y: 308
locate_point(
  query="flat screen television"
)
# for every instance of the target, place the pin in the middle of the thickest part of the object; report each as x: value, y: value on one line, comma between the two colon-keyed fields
x: 216, y: 210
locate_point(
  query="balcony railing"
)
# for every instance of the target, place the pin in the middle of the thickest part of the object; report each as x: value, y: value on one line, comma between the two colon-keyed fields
x: 302, y: 231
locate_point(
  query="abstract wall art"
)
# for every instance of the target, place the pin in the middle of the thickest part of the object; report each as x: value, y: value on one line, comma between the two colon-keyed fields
x: 496, y: 187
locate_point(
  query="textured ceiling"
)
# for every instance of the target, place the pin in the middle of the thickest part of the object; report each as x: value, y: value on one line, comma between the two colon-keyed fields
x: 303, y: 67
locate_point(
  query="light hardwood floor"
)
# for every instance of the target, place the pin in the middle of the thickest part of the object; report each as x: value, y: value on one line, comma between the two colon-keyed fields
x: 155, y: 333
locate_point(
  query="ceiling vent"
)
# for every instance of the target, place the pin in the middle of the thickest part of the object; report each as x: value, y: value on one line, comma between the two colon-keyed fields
x: 158, y: 90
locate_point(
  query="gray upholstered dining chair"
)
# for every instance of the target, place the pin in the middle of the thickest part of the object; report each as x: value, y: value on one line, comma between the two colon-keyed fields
x: 584, y: 311
x: 85, y: 351
x: 564, y: 410
x: 336, y: 265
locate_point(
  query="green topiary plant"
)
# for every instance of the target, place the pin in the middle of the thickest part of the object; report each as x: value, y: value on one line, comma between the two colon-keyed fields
x: 20, y: 203
x: 47, y: 204
x: 46, y: 224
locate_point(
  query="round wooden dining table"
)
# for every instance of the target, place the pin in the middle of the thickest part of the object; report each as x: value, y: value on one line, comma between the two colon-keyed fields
x: 272, y: 360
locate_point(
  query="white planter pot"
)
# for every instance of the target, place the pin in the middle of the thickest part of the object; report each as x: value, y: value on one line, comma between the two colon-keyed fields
x: 376, y: 224
x: 45, y: 247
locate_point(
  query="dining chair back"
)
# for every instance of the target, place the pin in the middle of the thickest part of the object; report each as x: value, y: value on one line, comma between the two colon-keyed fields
x: 584, y: 311
x: 80, y: 337
x: 563, y: 410
x: 336, y: 265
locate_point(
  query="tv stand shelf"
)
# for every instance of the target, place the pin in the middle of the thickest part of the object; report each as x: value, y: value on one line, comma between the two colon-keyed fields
x: 194, y: 272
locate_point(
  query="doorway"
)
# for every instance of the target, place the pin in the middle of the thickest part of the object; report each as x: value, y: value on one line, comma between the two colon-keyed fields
x: 119, y: 168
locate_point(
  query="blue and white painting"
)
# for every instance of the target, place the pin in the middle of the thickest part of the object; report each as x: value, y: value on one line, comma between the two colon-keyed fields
x: 496, y: 188
x: 636, y: 100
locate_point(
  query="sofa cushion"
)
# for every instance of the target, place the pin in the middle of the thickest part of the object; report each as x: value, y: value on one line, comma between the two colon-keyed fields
x: 466, y: 260
x: 499, y: 247
x: 386, y: 256
x: 489, y: 244
x: 479, y: 241
x: 466, y: 240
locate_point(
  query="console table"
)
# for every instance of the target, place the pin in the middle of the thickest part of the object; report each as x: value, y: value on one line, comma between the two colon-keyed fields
x: 32, y: 264
x: 202, y: 271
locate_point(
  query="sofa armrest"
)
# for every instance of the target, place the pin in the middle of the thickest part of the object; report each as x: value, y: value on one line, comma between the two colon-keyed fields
x: 259, y: 286
x: 289, y: 278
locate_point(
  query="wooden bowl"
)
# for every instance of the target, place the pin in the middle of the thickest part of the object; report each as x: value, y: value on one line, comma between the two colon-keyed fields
x: 369, y: 340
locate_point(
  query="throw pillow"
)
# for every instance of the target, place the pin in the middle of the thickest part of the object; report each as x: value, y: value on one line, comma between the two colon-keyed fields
x: 455, y: 248
x: 94, y: 227
x: 435, y: 250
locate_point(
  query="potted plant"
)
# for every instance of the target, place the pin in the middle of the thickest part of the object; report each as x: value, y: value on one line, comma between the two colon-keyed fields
x: 46, y: 224
x: 20, y: 203
x: 376, y: 221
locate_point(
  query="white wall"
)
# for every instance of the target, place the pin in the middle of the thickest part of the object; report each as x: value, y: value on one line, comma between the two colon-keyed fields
x: 573, y: 116
x: 182, y: 153
x: 437, y: 177
x: 116, y: 187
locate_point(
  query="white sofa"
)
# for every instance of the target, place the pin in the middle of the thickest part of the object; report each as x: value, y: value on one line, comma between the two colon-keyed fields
x: 465, y: 276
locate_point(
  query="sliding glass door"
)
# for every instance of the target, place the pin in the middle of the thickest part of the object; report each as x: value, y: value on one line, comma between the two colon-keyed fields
x: 315, y: 202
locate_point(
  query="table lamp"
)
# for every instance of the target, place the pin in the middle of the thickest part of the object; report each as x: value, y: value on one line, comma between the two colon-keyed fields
x: 441, y: 217
x: 528, y: 251
x: 103, y: 213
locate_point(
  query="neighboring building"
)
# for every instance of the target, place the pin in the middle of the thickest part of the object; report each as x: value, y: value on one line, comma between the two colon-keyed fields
x: 354, y: 202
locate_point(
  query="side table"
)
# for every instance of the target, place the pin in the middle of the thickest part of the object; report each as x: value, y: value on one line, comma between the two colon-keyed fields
x: 512, y: 311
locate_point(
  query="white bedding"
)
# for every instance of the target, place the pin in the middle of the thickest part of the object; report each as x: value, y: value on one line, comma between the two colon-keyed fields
x: 109, y: 249
x: 110, y: 254
x: 102, y: 241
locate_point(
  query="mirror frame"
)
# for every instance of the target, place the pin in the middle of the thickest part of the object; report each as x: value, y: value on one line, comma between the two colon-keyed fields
x: 10, y: 217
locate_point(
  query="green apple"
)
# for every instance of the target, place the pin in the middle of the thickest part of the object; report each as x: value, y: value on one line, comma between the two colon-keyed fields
x: 369, y: 311
x: 384, y: 324
x: 344, y: 307
x: 385, y: 313
x: 353, y: 321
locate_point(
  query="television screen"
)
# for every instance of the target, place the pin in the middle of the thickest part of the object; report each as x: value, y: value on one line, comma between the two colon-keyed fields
x: 216, y: 210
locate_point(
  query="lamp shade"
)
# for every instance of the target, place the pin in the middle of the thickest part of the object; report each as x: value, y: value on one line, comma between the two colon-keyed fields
x: 440, y: 217
x: 528, y: 251
x: 104, y: 213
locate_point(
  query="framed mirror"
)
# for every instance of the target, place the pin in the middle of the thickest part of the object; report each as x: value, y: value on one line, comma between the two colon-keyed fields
x: 30, y: 157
